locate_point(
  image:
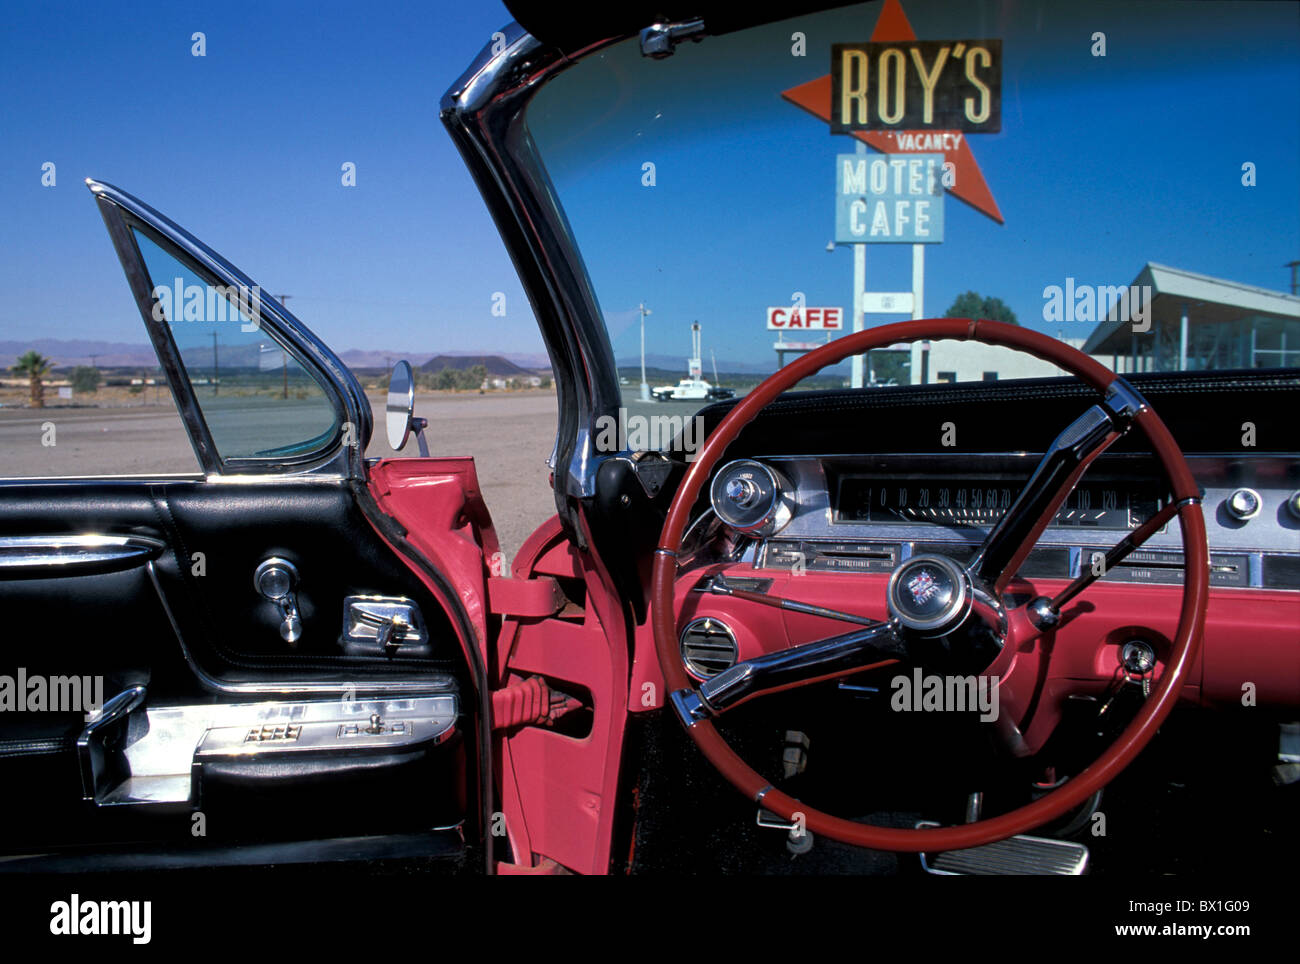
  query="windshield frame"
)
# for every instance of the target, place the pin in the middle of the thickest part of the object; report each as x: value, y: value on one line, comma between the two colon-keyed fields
x: 485, y: 112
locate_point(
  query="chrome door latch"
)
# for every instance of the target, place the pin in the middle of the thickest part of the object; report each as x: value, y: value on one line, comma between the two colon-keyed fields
x: 383, y: 625
x: 275, y: 580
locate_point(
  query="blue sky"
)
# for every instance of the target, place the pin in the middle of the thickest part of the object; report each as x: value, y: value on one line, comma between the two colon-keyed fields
x: 1102, y: 164
x: 244, y: 147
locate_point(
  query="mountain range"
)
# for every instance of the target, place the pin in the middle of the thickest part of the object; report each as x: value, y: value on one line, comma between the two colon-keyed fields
x: 114, y: 354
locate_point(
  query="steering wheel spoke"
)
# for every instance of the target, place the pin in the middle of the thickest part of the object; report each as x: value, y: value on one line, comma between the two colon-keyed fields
x: 1067, y: 458
x: 717, y: 585
x: 824, y: 659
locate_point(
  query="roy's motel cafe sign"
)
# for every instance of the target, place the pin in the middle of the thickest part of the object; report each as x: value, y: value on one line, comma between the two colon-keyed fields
x: 901, y: 95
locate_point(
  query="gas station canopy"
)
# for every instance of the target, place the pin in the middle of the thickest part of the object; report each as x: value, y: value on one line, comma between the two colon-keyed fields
x: 1198, y: 323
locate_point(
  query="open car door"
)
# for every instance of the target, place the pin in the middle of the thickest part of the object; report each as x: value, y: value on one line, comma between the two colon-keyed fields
x: 243, y: 666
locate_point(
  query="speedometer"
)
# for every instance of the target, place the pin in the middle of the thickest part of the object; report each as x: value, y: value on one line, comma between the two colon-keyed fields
x: 982, y: 502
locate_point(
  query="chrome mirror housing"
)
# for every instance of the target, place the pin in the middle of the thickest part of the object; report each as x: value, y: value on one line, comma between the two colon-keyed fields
x: 400, y: 417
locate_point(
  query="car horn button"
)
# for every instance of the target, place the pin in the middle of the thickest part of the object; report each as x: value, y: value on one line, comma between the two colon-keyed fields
x: 928, y: 594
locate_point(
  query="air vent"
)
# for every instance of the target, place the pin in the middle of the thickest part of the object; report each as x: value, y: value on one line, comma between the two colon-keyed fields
x: 708, y: 647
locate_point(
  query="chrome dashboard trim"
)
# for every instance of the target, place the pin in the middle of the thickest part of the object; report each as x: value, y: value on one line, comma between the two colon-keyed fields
x: 1271, y: 532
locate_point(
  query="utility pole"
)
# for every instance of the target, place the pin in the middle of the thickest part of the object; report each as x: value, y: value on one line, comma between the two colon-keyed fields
x: 645, y: 386
x: 1293, y: 265
x: 284, y: 358
x: 216, y: 371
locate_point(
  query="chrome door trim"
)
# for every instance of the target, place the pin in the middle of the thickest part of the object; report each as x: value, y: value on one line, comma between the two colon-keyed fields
x: 484, y: 112
x: 128, y: 254
x: 117, y: 708
x: 49, y: 556
x: 161, y: 761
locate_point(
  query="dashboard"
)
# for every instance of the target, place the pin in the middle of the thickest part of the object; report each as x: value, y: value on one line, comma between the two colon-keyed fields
x: 839, y: 513
x: 822, y: 496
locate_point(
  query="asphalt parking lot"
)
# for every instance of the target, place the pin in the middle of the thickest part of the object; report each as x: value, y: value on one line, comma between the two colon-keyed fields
x: 509, y: 435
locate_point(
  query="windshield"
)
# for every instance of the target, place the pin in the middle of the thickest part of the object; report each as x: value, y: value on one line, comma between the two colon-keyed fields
x: 1120, y: 176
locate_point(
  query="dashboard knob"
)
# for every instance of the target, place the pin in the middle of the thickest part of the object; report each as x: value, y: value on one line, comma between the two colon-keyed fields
x: 1293, y: 504
x: 1243, y: 504
x: 743, y: 492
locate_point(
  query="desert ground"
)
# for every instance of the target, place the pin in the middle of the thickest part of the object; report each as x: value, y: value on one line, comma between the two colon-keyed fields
x: 510, y: 435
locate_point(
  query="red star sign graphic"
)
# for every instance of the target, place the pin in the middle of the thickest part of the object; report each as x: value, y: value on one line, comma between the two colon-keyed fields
x: 969, y: 186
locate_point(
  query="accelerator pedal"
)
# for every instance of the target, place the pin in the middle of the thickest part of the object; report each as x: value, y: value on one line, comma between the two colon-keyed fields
x: 1018, y: 855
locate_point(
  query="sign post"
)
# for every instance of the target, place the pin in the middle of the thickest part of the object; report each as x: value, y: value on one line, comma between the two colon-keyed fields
x: 887, y: 199
x: 859, y: 286
x: 918, y: 281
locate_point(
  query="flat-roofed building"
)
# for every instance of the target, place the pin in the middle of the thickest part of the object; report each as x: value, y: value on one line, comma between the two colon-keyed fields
x: 1191, y: 321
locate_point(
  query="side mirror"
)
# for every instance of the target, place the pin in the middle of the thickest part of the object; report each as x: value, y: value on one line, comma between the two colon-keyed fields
x: 400, y: 417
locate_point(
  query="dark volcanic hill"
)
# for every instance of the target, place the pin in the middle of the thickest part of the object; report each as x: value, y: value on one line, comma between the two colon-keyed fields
x: 495, y: 364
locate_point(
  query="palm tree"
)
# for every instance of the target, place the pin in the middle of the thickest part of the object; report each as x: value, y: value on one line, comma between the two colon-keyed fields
x: 35, y: 366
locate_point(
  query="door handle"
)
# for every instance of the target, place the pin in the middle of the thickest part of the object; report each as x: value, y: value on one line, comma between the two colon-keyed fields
x: 49, y: 556
x: 385, y: 624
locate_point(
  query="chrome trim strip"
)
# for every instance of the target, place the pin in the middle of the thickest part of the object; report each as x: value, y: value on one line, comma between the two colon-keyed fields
x: 1022, y: 454
x: 16, y: 480
x: 688, y: 706
x: 67, y: 553
x: 485, y: 112
x: 115, y: 708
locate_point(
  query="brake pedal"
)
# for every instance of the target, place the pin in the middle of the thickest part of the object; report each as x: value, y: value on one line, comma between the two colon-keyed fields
x: 799, y: 839
x: 1018, y: 855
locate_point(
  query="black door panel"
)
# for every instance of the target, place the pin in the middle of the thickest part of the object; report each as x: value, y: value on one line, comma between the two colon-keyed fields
x: 317, y: 527
x: 118, y: 629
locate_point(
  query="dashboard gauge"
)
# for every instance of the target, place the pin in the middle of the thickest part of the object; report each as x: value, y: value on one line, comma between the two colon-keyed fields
x: 751, y: 497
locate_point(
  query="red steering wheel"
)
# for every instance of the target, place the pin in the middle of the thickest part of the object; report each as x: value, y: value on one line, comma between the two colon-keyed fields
x: 972, y: 601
